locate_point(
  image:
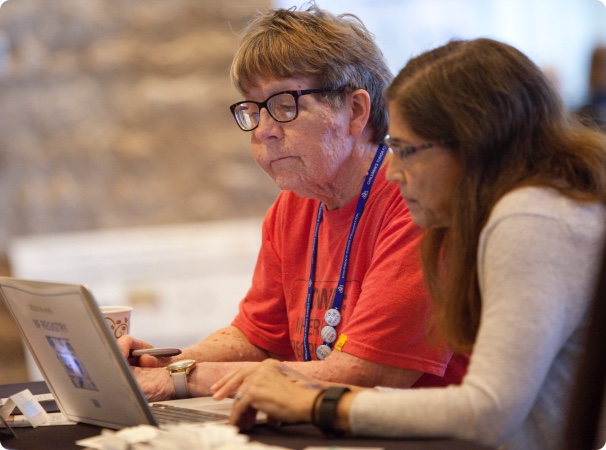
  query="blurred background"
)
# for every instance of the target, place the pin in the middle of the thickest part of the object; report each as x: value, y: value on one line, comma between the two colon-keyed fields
x: 121, y: 166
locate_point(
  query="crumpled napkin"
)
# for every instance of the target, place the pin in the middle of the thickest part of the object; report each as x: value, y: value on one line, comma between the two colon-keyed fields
x: 205, y: 436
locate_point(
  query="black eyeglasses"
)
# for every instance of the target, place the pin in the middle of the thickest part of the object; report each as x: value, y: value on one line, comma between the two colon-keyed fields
x: 404, y: 151
x: 282, y: 107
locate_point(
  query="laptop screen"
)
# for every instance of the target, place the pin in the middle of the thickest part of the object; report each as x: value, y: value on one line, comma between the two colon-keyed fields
x: 75, y: 352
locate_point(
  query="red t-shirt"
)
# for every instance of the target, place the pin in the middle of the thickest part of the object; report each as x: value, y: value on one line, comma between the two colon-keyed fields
x: 386, y: 306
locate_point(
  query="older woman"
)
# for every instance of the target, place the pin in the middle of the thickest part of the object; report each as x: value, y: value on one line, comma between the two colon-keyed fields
x: 511, y: 191
x: 338, y: 271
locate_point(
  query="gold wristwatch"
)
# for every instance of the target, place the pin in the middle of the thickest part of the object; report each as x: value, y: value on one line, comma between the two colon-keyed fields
x: 178, y: 372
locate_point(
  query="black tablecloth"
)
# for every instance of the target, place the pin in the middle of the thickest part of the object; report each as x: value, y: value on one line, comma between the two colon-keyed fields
x: 63, y: 437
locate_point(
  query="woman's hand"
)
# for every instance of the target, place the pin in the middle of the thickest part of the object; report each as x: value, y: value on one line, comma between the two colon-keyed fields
x: 128, y: 343
x: 283, y: 394
x: 229, y: 384
x: 156, y: 384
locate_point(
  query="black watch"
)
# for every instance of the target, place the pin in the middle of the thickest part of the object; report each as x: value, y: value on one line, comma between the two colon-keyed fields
x: 328, y: 410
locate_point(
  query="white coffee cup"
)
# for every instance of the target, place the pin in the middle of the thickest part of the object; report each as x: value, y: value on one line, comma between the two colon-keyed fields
x: 117, y: 318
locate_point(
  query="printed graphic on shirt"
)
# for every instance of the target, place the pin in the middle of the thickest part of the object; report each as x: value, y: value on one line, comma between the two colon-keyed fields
x: 323, y: 296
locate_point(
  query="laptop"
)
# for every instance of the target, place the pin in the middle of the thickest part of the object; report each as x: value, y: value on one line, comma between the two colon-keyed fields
x: 80, y: 360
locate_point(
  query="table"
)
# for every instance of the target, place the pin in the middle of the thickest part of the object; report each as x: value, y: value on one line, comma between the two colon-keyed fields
x: 291, y: 436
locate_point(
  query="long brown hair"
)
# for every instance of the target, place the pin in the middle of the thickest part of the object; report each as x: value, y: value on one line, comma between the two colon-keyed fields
x: 508, y: 129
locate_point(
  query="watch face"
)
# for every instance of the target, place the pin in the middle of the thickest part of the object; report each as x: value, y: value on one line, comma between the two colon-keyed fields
x: 181, y: 364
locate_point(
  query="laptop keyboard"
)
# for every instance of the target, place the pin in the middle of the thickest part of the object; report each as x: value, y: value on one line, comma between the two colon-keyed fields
x: 170, y: 415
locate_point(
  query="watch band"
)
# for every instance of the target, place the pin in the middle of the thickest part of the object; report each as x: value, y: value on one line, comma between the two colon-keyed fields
x: 178, y: 371
x: 180, y: 384
x: 328, y: 410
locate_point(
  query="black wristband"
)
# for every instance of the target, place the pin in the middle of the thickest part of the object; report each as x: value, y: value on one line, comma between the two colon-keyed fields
x: 328, y: 410
x: 314, y: 406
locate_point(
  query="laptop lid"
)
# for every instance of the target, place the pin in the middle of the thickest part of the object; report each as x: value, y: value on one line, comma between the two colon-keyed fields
x: 77, y: 355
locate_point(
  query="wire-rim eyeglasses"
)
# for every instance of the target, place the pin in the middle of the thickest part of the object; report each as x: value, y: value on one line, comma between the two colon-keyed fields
x: 404, y: 151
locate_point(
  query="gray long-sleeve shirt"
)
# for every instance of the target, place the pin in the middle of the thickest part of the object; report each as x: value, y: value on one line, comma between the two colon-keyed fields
x: 537, y: 260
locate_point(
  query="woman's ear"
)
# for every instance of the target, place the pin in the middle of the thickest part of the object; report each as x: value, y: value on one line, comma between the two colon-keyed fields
x: 359, y: 105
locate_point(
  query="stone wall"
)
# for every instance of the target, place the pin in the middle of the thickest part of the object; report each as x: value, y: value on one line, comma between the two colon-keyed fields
x: 114, y: 113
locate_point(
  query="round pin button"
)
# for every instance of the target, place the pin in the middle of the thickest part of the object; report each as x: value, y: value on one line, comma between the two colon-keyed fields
x: 332, y: 317
x: 323, y: 351
x: 329, y: 334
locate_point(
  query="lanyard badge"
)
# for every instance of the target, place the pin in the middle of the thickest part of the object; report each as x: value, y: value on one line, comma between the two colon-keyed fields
x: 332, y: 317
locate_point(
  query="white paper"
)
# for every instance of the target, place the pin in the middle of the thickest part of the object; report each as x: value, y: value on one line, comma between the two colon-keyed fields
x: 28, y: 405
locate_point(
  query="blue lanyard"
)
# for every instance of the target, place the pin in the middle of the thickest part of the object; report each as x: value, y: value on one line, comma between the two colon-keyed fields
x: 338, y: 299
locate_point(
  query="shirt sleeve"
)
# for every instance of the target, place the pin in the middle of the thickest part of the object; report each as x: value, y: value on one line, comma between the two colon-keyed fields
x: 534, y: 278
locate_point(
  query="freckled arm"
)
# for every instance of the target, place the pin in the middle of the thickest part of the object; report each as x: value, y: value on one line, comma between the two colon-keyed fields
x: 226, y: 344
x: 338, y: 368
x: 228, y: 349
x: 230, y: 345
x: 343, y: 368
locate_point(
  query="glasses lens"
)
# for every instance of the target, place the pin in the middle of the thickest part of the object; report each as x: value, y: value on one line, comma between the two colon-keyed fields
x: 282, y: 107
x: 247, y: 115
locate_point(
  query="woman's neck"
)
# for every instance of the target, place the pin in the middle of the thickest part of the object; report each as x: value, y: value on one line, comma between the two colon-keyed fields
x: 349, y: 181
